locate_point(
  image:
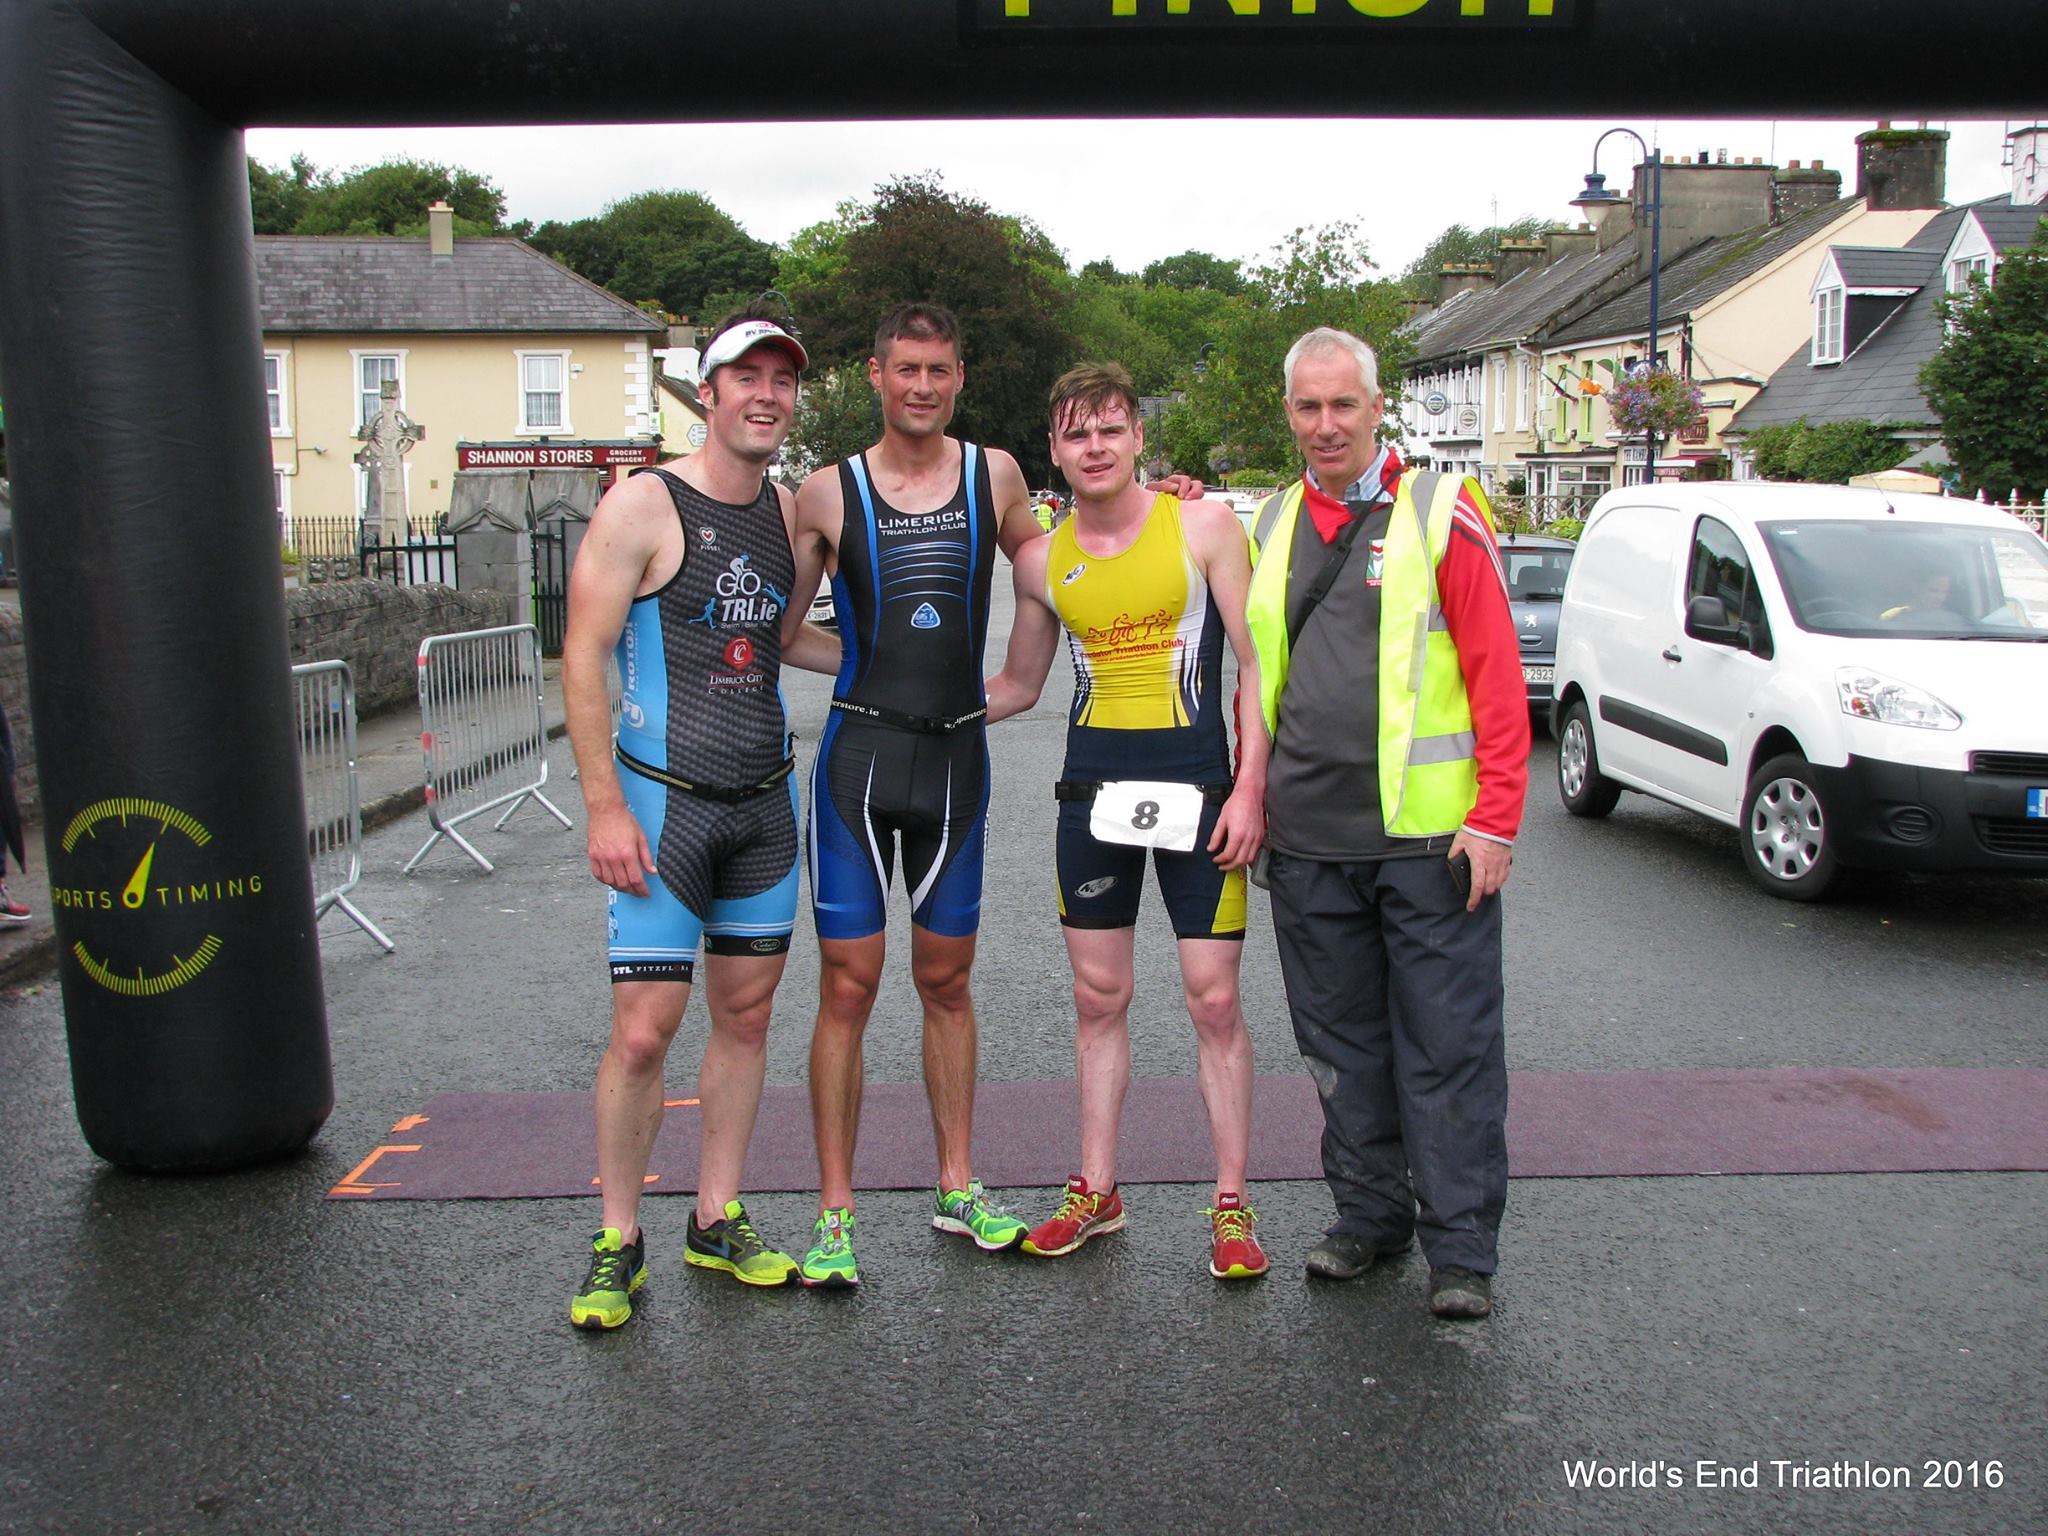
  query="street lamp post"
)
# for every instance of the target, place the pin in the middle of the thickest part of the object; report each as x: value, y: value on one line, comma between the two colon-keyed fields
x: 1598, y: 195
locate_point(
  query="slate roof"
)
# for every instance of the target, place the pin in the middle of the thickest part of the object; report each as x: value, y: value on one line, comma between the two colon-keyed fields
x: 350, y: 284
x: 1879, y: 381
x: 1701, y: 274
x: 1877, y: 266
x: 1478, y: 319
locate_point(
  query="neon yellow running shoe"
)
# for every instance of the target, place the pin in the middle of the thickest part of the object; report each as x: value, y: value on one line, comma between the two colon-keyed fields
x: 969, y: 1212
x: 830, y: 1261
x: 617, y: 1270
x: 731, y: 1244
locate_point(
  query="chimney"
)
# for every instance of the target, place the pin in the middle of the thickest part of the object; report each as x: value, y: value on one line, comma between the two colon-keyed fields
x: 1457, y: 277
x: 1701, y: 201
x: 2029, y: 165
x: 1794, y: 190
x: 1902, y: 167
x: 440, y: 229
x: 1562, y: 242
x: 1519, y: 256
x: 1417, y: 308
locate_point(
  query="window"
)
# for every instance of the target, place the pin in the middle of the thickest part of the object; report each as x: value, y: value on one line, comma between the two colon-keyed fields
x: 273, y: 388
x: 543, y: 391
x: 1827, y: 325
x: 1562, y: 427
x: 1962, y: 270
x: 1586, y: 403
x: 372, y: 369
x: 1521, y: 392
x: 1500, y: 394
x: 1720, y: 568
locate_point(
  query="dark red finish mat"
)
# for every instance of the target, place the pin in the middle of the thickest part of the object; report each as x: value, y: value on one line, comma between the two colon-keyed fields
x: 501, y: 1146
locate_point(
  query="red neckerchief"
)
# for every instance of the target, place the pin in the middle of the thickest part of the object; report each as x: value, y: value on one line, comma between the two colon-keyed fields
x: 1330, y: 514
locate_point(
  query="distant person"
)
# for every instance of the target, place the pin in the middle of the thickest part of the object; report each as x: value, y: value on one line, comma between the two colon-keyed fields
x: 1392, y: 682
x: 1930, y: 603
x: 11, y: 910
x: 1148, y: 589
x: 692, y: 811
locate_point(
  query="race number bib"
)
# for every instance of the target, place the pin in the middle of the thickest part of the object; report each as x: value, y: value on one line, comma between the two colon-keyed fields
x: 1142, y: 814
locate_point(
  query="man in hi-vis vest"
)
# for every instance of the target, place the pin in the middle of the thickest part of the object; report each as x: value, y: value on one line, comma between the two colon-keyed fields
x: 1391, y: 681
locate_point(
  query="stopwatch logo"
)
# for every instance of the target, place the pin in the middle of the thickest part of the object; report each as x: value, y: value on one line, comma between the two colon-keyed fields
x: 137, y: 878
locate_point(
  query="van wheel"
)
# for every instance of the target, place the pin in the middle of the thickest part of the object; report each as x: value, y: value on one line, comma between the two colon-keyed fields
x: 1580, y: 784
x: 1787, y: 840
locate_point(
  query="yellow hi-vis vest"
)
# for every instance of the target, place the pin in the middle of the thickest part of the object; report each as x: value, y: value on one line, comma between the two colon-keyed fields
x: 1429, y: 776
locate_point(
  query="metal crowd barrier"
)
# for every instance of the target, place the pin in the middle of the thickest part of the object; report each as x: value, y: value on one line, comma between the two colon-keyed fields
x: 334, y: 806
x: 483, y: 730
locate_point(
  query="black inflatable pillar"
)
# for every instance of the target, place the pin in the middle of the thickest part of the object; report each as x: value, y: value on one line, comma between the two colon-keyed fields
x: 153, y: 610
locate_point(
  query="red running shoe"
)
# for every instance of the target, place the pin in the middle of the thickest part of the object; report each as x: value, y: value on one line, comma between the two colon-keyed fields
x: 1083, y: 1213
x: 1234, y: 1254
x: 12, y: 911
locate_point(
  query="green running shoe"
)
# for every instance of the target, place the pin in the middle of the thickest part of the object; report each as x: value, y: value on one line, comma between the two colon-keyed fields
x: 731, y: 1244
x: 830, y: 1261
x: 617, y: 1270
x: 969, y: 1213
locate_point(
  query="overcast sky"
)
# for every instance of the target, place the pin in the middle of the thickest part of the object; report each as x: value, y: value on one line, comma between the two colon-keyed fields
x: 1131, y: 191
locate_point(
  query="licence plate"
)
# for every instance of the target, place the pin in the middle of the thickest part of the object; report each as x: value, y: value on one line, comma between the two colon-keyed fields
x: 1542, y: 675
x: 2037, y: 804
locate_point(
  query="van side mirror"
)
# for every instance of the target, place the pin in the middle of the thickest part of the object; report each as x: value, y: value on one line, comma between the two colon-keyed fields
x: 1707, y: 618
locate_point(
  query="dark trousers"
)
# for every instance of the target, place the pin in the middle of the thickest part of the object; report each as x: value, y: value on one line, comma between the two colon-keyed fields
x: 1396, y: 995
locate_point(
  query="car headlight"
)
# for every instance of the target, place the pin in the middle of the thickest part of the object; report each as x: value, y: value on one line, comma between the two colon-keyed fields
x: 1873, y: 696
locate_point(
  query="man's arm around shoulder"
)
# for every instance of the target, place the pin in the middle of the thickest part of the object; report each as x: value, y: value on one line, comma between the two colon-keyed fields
x: 817, y: 513
x: 1217, y: 540
x: 1034, y: 637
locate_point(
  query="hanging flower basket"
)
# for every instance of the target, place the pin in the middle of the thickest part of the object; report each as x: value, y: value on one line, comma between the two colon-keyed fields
x: 1656, y: 401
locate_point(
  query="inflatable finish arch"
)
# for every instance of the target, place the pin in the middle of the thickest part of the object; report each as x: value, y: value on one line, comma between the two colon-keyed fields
x: 131, y: 349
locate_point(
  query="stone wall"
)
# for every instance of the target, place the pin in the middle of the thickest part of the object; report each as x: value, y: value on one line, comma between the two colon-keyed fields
x: 376, y: 628
x: 372, y: 625
x: 14, y: 699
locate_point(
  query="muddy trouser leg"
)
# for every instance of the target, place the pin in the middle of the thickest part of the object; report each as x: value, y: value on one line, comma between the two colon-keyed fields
x: 1334, y: 966
x: 1444, y: 992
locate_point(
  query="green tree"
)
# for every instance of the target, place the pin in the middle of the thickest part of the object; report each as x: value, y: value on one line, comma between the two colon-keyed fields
x: 1989, y: 381
x: 1462, y: 244
x: 1195, y: 269
x: 279, y: 199
x: 675, y: 248
x: 1231, y: 412
x: 1827, y: 454
x: 916, y: 240
x: 1105, y: 326
x: 837, y: 415
x: 816, y: 252
x: 387, y: 199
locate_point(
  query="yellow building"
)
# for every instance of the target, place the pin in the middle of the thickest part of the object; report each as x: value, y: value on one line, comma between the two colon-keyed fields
x: 488, y: 340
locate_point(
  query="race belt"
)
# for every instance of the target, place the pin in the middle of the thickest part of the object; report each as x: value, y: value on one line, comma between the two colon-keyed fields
x: 925, y: 725
x: 1144, y: 813
x: 724, y: 794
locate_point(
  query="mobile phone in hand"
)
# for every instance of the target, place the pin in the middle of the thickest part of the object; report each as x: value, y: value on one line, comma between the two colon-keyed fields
x: 1461, y: 874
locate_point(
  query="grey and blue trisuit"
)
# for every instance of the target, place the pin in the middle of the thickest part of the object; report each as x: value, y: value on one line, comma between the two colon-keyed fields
x: 904, y: 755
x: 703, y: 745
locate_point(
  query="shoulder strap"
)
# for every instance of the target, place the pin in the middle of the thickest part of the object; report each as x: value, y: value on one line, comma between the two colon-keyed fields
x: 1326, y: 578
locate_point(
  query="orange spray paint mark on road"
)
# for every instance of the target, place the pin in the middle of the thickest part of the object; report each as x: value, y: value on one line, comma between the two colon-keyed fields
x: 353, y: 1184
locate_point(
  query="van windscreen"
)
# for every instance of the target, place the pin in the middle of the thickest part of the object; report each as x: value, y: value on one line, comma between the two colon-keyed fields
x: 1928, y: 580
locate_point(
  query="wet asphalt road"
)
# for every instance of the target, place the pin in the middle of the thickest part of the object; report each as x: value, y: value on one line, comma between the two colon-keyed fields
x: 237, y: 1354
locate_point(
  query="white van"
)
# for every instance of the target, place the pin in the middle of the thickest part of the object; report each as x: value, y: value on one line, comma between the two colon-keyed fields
x: 1849, y: 678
